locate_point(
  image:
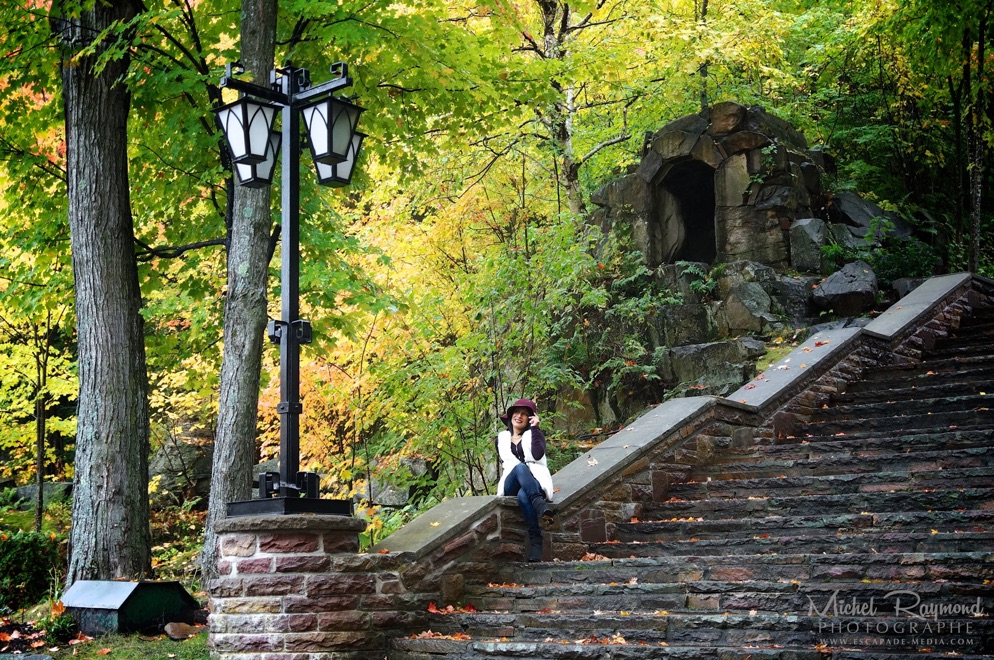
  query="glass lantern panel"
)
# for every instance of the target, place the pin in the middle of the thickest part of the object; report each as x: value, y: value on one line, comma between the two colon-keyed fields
x: 234, y: 131
x: 260, y: 124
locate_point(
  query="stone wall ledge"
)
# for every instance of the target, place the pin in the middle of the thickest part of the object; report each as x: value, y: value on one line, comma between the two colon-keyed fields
x: 307, y: 522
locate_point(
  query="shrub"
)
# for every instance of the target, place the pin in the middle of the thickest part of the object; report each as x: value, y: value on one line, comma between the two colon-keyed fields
x: 8, y: 498
x: 26, y: 561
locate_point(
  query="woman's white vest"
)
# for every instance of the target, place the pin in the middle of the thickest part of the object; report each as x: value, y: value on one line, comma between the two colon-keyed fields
x: 539, y: 468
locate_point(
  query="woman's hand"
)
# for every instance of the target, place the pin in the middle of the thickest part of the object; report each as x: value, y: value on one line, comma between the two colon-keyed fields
x: 533, y: 420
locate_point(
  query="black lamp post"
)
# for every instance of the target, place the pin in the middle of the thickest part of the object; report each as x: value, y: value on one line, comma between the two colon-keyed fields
x: 253, y: 143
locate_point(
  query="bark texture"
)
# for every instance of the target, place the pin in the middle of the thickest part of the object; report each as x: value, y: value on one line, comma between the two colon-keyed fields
x: 245, y: 315
x: 110, y: 532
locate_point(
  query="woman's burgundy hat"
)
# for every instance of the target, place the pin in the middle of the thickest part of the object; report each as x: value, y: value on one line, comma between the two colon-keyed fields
x: 520, y: 403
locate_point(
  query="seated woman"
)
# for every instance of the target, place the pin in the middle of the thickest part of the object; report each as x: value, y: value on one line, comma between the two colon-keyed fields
x: 524, y: 471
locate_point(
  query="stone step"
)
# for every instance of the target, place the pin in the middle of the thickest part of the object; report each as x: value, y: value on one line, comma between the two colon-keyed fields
x: 978, y: 324
x: 829, y: 464
x: 967, y: 539
x: 919, y: 420
x: 587, y: 649
x: 946, y: 567
x: 601, y: 649
x: 976, y: 345
x: 948, y: 499
x: 933, y: 388
x: 856, y: 445
x: 795, y: 596
x: 950, y: 369
x: 567, y: 634
x: 927, y: 479
x: 896, y: 407
x: 815, y: 525
x: 980, y: 435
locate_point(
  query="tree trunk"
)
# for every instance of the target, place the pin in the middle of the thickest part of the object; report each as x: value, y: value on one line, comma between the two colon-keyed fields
x: 110, y: 533
x: 977, y: 146
x: 555, y: 26
x: 39, y: 458
x: 245, y: 312
x: 702, y: 20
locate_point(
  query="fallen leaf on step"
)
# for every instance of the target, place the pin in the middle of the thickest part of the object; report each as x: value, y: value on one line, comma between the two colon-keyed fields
x: 590, y: 556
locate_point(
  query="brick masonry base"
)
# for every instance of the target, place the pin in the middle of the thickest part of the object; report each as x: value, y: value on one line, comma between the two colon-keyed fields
x: 291, y: 587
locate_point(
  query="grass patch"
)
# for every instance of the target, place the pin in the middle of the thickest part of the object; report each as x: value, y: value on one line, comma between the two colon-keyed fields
x: 137, y: 646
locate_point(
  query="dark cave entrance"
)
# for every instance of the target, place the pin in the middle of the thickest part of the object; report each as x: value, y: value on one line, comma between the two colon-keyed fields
x: 686, y: 213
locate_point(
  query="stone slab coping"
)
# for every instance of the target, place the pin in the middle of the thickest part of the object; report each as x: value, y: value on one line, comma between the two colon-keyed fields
x: 596, y: 465
x: 909, y: 310
x: 304, y: 522
x: 438, y: 525
x: 820, y: 348
x: 450, y: 518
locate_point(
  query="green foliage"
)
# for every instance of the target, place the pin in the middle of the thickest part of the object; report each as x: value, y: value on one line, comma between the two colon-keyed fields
x: 177, y: 538
x: 58, y: 628
x: 8, y: 498
x: 26, y: 562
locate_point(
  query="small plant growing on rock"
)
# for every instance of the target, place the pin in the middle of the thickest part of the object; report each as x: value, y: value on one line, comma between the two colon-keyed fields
x: 702, y: 282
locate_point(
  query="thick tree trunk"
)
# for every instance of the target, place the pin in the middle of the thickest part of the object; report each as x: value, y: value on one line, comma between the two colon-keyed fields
x: 245, y: 311
x: 110, y: 533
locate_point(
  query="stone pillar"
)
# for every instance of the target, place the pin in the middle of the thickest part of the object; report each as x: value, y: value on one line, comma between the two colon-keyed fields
x: 279, y: 595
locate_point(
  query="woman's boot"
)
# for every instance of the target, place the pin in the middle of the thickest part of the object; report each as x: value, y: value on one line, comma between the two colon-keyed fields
x: 546, y: 516
x: 535, y: 547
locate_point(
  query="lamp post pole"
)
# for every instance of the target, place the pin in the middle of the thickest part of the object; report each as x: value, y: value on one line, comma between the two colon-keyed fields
x: 290, y: 490
x: 290, y: 407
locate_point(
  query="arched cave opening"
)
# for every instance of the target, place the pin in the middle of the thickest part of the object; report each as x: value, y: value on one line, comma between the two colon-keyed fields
x: 687, y: 212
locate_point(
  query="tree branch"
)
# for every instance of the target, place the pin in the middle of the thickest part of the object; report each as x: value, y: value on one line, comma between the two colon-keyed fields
x: 173, y: 252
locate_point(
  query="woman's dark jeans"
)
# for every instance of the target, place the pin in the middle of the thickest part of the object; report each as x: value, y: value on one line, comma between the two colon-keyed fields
x: 522, y: 483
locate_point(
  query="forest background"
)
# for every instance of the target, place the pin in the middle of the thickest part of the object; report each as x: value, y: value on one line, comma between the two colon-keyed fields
x: 456, y: 272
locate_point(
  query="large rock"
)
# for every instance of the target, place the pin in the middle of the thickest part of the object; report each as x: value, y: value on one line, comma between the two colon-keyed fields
x: 848, y: 292
x: 52, y: 491
x: 746, y: 309
x: 849, y: 208
x: 676, y: 325
x: 389, y: 493
x: 181, y: 468
x: 807, y: 236
x: 713, y: 368
x: 792, y: 299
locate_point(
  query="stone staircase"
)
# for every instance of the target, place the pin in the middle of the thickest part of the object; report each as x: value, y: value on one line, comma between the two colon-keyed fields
x: 868, y: 532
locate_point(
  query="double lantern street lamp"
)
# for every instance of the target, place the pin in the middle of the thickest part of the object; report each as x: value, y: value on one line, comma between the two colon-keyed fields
x: 253, y: 143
